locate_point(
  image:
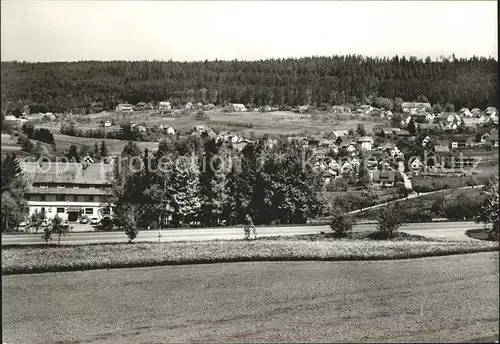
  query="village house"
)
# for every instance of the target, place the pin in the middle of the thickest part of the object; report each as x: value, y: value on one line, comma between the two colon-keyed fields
x: 464, y: 112
x: 388, y: 114
x: 164, y: 107
x: 493, y: 118
x: 234, y: 138
x: 124, y: 108
x: 343, y: 141
x: 200, y: 128
x: 70, y: 190
x: 476, y: 112
x: 303, y: 108
x: 441, y: 152
x: 314, y: 141
x: 388, y: 132
x: 414, y: 108
x: 209, y: 107
x: 429, y: 118
x: 237, y: 107
x: 141, y: 106
x: 365, y: 108
x: 490, y: 111
x: 11, y: 119
x: 441, y: 117
x: 339, y: 133
x: 459, y: 141
x: 170, y: 131
x: 404, y: 134
x: 265, y: 108
x: 326, y: 142
x: 338, y: 109
x: 139, y: 128
x: 383, y: 178
x: 365, y: 143
x: 106, y: 123
x: 416, y: 165
x: 471, y: 122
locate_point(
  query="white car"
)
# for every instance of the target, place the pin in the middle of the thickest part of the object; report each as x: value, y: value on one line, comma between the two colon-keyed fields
x: 94, y: 221
x: 24, y: 223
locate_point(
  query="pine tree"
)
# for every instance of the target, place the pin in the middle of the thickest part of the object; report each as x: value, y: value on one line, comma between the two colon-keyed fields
x: 11, y: 169
x: 104, y: 149
x: 184, y: 188
x: 97, y: 153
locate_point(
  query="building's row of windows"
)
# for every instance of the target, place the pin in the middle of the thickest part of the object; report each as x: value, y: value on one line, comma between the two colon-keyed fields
x: 63, y: 186
x: 88, y: 211
x: 63, y: 198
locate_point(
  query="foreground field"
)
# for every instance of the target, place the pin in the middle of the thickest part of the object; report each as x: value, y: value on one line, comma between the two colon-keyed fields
x: 98, y: 256
x: 439, y: 299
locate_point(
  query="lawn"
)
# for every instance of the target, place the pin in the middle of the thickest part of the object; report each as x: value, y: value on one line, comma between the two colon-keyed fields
x: 63, y: 142
x: 83, y: 257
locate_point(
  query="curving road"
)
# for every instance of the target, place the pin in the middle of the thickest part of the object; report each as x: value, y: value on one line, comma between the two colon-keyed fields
x: 450, y: 299
x: 447, y: 230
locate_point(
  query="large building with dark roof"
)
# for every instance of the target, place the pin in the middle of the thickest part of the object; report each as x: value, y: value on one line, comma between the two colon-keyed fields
x: 69, y: 190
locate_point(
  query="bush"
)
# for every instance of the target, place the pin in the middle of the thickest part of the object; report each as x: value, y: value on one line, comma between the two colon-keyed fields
x: 106, y: 224
x: 463, y: 207
x: 339, y: 184
x: 390, y: 218
x: 341, y: 223
x: 419, y: 216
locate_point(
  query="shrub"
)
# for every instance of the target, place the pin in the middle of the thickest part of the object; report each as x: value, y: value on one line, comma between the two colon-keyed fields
x: 339, y: 184
x: 390, y: 218
x: 341, y: 223
x: 463, y: 207
x: 419, y: 216
x: 438, y: 206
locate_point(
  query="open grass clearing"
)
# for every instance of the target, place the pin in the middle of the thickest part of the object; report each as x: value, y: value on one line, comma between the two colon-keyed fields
x: 50, y: 258
x: 279, y: 122
x: 114, y: 146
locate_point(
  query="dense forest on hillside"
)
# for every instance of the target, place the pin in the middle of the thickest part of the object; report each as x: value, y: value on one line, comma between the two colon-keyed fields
x: 94, y: 85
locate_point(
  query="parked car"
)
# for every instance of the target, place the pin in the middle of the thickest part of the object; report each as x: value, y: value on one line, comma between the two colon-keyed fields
x: 25, y: 223
x: 94, y: 221
x: 65, y: 223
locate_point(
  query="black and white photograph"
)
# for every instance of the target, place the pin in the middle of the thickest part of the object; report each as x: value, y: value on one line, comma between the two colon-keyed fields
x: 249, y: 171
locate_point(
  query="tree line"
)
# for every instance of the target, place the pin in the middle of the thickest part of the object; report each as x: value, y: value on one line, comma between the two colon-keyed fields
x: 88, y: 86
x: 221, y: 186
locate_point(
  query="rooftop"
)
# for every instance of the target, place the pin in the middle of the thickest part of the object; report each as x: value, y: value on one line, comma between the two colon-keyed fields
x: 67, y: 173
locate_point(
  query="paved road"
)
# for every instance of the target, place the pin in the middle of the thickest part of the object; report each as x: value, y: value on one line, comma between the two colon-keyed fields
x: 450, y: 230
x: 447, y: 299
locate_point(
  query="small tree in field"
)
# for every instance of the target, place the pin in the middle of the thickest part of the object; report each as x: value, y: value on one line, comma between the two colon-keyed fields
x: 341, y: 223
x: 390, y: 218
x: 47, y: 234
x: 126, y: 216
x: 37, y: 219
x: 58, y: 228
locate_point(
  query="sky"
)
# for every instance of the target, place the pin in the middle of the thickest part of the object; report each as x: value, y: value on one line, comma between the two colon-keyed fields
x: 244, y: 30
